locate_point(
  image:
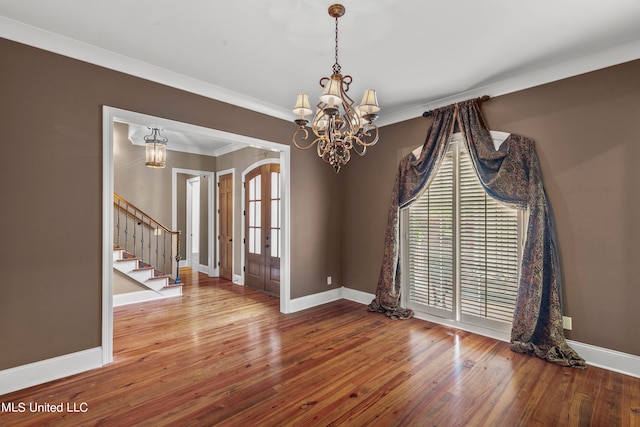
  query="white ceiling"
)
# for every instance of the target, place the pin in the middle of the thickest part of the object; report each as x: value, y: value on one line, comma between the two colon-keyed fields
x: 258, y: 54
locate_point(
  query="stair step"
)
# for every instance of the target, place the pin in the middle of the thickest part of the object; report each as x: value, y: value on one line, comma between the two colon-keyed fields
x: 144, y: 273
x: 173, y: 284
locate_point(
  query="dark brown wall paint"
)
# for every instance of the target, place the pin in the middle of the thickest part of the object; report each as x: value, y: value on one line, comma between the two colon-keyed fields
x: 51, y: 184
x: 587, y: 133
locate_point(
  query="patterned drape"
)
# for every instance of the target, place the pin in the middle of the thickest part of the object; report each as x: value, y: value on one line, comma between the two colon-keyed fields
x: 510, y: 174
x: 413, y: 176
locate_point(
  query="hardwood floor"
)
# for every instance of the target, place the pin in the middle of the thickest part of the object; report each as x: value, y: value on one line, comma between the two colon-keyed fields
x: 224, y: 355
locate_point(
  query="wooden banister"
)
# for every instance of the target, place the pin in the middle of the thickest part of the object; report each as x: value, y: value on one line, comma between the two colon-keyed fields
x: 147, y: 224
x: 124, y: 202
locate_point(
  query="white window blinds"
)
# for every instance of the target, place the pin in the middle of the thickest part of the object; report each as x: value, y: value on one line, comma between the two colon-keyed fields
x: 488, y: 249
x: 431, y: 244
x: 463, y: 247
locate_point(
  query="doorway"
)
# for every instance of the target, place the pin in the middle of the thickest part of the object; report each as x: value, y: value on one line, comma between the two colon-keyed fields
x: 183, y: 195
x: 193, y: 223
x: 111, y: 115
x: 263, y: 228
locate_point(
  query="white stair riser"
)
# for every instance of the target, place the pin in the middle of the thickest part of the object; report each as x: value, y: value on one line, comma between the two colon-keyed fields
x: 117, y: 254
x: 140, y: 275
x: 144, y: 277
x: 157, y: 284
x: 125, y: 266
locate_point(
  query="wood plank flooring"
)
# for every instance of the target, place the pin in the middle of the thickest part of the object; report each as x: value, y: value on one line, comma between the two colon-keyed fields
x: 223, y: 355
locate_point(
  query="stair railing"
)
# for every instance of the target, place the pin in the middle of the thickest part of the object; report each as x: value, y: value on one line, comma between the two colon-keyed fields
x: 131, y: 225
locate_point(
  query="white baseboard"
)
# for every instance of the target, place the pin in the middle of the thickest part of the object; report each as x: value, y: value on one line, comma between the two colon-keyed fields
x: 48, y: 370
x: 357, y: 296
x: 314, y: 300
x: 604, y: 358
x: 143, y: 296
x: 237, y: 279
x: 302, y: 303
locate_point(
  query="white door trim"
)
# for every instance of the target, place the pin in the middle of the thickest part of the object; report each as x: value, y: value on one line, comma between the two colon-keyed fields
x: 211, y: 271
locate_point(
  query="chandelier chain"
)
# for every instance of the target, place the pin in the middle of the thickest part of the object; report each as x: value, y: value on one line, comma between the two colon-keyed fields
x: 336, y: 66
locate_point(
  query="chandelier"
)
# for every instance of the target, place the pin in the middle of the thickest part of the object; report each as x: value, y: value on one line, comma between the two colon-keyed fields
x: 156, y: 149
x: 338, y: 125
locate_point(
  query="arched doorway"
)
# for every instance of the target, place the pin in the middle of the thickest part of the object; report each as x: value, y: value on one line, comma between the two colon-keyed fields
x: 262, y: 228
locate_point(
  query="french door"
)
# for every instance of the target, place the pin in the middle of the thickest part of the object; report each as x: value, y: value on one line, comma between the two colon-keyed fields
x: 263, y: 229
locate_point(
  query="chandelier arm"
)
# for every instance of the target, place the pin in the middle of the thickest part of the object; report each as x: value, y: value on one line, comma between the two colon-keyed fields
x: 302, y: 134
x: 359, y: 148
x: 368, y: 136
x: 346, y: 82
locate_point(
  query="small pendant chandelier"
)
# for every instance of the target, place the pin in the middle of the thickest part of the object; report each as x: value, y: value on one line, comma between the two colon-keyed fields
x: 338, y: 125
x: 156, y: 149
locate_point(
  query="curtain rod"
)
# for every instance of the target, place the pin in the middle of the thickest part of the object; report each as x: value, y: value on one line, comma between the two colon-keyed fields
x: 482, y: 99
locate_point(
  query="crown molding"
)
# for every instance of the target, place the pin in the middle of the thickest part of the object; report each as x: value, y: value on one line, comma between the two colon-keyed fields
x: 37, y: 37
x: 56, y: 43
x: 603, y: 59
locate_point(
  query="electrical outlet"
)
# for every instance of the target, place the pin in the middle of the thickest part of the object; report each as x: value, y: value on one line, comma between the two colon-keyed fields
x: 566, y: 322
x: 328, y: 280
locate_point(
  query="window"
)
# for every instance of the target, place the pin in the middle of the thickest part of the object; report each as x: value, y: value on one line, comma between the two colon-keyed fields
x: 463, y: 249
x: 276, y: 201
x: 255, y: 214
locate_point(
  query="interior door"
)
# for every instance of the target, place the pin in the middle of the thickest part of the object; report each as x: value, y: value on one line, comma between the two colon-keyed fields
x: 263, y: 229
x: 225, y: 202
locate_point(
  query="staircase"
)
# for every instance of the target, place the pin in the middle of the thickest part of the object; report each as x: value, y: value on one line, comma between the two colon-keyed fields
x: 132, y: 226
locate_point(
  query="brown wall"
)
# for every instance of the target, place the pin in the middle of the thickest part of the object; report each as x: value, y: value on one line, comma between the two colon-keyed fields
x: 587, y: 131
x: 51, y: 185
